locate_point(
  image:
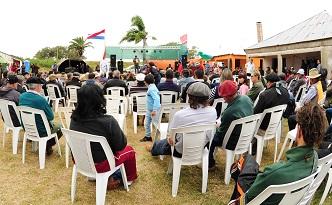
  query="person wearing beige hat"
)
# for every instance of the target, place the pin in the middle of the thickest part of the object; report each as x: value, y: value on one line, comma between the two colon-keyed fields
x: 197, y: 113
x: 313, y: 95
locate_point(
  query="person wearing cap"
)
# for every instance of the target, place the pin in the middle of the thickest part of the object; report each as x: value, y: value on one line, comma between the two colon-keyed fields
x: 297, y: 83
x: 32, y: 98
x: 198, y: 113
x: 152, y: 106
x: 9, y: 92
x: 140, y: 85
x: 239, y: 106
x: 257, y: 86
x: 274, y: 94
x: 116, y: 82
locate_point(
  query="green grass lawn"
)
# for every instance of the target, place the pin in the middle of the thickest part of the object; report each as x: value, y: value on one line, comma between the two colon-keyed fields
x: 27, y: 184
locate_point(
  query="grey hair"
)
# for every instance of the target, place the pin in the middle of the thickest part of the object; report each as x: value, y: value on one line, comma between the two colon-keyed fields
x: 226, y: 75
x: 116, y: 74
x: 32, y: 86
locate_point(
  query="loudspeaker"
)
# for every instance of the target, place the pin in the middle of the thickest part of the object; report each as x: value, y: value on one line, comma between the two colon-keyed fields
x: 113, y: 61
x: 184, y: 61
x: 120, y: 66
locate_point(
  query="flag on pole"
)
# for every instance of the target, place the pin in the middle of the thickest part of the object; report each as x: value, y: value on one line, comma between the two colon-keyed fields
x: 184, y: 39
x: 98, y: 35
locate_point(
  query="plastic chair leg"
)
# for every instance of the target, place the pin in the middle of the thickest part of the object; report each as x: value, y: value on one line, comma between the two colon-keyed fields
x: 57, y: 142
x: 170, y: 166
x: 56, y: 105
x: 283, y: 148
x: 259, y: 153
x: 67, y: 155
x: 42, y: 152
x: 275, y: 149
x: 124, y: 177
x: 327, y: 187
x: 16, y: 133
x: 73, y: 183
x: 23, y: 148
x: 101, y: 186
x: 135, y: 122
x: 4, y: 136
x: 205, y: 170
x: 176, y: 177
x: 229, y: 160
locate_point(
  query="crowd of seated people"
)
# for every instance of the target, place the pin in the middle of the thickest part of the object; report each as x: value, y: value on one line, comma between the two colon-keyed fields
x: 197, y: 90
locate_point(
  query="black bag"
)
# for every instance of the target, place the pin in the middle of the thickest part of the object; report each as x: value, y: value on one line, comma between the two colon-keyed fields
x: 244, y: 172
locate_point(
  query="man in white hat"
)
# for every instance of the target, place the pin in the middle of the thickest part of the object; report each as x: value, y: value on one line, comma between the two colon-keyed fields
x: 297, y: 83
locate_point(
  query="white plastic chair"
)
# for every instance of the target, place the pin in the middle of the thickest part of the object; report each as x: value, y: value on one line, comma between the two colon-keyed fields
x: 223, y: 104
x: 65, y: 112
x: 51, y: 90
x: 291, y: 135
x: 293, y: 192
x: 166, y: 97
x: 271, y: 131
x: 116, y: 91
x: 28, y: 116
x: 256, y: 101
x: 194, y: 152
x: 8, y: 123
x: 71, y: 94
x: 301, y: 92
x: 328, y: 184
x: 248, y: 129
x: 324, y: 165
x: 114, y: 104
x: 141, y: 106
x: 80, y: 145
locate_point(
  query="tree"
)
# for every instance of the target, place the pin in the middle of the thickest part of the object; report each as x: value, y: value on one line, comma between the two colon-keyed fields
x: 79, y: 45
x: 193, y: 52
x: 57, y: 52
x: 172, y: 44
x: 137, y: 33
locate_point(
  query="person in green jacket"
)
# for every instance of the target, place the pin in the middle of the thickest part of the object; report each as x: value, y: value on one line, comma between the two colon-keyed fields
x: 257, y: 86
x: 33, y: 99
x: 311, y: 127
x: 239, y: 106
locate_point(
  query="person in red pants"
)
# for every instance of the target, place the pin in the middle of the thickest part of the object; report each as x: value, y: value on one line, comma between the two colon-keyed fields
x: 89, y: 117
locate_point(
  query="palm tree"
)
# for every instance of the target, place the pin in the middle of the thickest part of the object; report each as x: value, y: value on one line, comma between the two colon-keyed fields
x: 79, y: 45
x: 137, y: 33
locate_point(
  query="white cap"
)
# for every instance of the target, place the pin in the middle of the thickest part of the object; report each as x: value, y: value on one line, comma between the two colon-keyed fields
x: 300, y: 71
x: 140, y: 77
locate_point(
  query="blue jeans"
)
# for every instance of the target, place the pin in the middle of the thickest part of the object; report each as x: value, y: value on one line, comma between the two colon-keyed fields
x: 148, y: 120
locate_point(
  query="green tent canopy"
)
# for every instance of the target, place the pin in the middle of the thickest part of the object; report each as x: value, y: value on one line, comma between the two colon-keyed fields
x: 204, y: 55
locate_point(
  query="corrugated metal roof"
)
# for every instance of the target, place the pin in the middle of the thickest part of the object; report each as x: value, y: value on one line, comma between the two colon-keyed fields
x: 314, y: 28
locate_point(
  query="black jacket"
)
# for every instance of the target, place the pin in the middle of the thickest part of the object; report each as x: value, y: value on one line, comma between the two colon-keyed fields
x: 103, y: 125
x: 270, y: 98
x: 115, y: 83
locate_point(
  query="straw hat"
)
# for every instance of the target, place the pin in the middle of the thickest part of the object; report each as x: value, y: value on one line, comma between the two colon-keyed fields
x: 313, y: 73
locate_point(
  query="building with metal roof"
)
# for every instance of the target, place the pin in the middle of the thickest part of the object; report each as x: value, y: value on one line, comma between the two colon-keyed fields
x: 299, y: 46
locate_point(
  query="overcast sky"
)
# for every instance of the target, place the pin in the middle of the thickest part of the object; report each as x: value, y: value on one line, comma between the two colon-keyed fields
x: 214, y: 26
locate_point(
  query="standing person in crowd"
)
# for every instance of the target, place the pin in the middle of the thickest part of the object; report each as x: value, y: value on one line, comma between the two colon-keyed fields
x: 136, y: 64
x: 250, y: 67
x: 239, y: 106
x: 152, y: 106
x: 243, y: 87
x: 154, y: 71
x: 116, y: 82
x: 32, y: 98
x: 257, y: 86
x: 301, y: 160
x: 89, y: 117
x: 319, y: 66
x: 9, y: 92
x: 198, y: 113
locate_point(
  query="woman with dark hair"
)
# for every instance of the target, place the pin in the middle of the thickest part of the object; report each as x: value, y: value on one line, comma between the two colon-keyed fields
x: 89, y: 117
x: 243, y: 87
x: 301, y: 160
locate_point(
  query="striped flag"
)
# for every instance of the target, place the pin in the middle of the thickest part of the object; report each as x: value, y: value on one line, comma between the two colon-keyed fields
x: 184, y: 39
x: 98, y: 35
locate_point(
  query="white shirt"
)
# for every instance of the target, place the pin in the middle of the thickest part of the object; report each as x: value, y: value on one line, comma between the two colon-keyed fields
x: 191, y: 117
x: 250, y: 67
